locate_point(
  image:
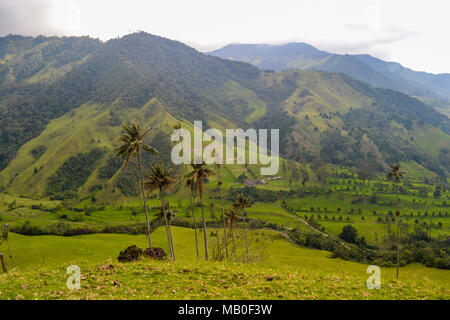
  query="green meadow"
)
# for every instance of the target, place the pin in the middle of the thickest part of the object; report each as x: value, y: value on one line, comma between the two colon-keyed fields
x: 279, y: 268
x: 283, y: 271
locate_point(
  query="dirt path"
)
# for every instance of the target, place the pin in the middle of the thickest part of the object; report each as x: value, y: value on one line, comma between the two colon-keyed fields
x: 309, y: 226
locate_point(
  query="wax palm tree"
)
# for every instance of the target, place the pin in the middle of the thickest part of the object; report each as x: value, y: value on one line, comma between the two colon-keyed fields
x: 160, y: 178
x: 219, y: 182
x: 396, y: 175
x: 242, y: 202
x: 191, y: 185
x: 169, y: 212
x: 199, y: 173
x: 132, y: 143
x: 231, y: 218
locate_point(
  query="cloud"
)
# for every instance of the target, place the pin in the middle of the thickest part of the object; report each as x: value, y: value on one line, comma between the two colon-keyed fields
x: 366, y: 40
x: 383, y: 28
x: 26, y: 17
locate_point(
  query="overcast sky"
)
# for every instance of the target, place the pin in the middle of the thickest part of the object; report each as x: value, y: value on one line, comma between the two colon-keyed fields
x: 414, y: 33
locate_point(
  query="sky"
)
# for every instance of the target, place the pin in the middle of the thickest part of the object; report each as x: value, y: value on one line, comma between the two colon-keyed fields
x: 413, y: 33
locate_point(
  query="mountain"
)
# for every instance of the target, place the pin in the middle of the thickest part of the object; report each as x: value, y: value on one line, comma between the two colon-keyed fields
x: 59, y: 133
x: 27, y: 60
x: 433, y: 88
x: 439, y: 84
x: 30, y: 69
x: 303, y: 56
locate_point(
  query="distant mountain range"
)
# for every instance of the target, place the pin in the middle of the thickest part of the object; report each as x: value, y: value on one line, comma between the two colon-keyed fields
x: 433, y: 89
x: 63, y: 102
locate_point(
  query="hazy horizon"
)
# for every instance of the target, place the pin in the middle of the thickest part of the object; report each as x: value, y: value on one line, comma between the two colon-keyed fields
x: 410, y: 33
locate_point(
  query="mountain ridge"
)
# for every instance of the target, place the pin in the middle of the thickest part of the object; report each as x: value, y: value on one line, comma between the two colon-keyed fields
x: 362, y: 67
x: 322, y: 117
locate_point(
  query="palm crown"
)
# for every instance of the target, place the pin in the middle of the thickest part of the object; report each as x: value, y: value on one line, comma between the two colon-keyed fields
x: 231, y: 217
x: 242, y: 202
x: 395, y: 174
x: 199, y: 173
x: 170, y: 213
x: 159, y: 177
x: 133, y: 142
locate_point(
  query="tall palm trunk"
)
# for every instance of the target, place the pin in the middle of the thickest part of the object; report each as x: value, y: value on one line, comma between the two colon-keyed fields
x: 169, y: 236
x: 216, y: 226
x: 245, y: 234
x: 171, y: 241
x: 9, y: 250
x: 234, y: 245
x: 205, y: 236
x: 193, y: 217
x: 223, y: 213
x: 191, y: 195
x: 397, y: 213
x: 224, y: 225
x: 170, y: 233
x: 141, y: 171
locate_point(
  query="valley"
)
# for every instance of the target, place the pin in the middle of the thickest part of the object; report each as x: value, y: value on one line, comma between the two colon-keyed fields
x: 80, y: 121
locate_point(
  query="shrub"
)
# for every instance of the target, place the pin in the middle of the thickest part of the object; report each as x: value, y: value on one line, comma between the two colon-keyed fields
x: 242, y: 178
x: 131, y: 253
x: 155, y: 253
x: 349, y: 234
x: 77, y: 231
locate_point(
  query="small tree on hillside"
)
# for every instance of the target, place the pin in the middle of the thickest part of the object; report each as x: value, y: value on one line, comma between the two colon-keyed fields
x: 349, y: 234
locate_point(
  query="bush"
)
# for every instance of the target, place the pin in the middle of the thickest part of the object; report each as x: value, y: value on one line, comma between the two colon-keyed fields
x: 130, y: 254
x: 155, y: 253
x: 349, y: 234
x: 256, y: 194
x: 77, y: 232
x: 139, y: 228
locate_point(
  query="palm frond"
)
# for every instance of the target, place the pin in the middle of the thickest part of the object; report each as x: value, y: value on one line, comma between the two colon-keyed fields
x: 159, y: 177
x: 149, y: 149
x: 131, y: 142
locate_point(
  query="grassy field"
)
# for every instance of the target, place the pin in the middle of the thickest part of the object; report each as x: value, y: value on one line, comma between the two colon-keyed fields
x: 284, y: 271
x: 295, y: 272
x: 341, y: 202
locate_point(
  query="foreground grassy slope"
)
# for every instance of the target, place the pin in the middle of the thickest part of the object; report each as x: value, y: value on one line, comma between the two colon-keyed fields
x: 214, y: 280
x: 284, y: 271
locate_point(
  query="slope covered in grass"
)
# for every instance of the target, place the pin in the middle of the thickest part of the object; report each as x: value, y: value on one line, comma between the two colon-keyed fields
x: 321, y: 116
x: 284, y: 271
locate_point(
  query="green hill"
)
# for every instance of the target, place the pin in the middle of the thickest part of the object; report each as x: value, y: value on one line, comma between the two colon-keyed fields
x: 50, y: 129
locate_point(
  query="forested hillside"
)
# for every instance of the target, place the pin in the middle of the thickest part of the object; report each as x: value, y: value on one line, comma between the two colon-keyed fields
x: 51, y: 125
x: 30, y: 90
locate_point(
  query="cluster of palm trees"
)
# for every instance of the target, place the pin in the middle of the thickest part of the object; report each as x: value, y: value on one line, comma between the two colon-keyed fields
x: 161, y: 179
